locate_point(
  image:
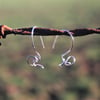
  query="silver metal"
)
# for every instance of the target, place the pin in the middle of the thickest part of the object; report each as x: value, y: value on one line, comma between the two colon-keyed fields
x: 33, y: 60
x: 42, y: 42
x: 54, y: 42
x: 70, y: 60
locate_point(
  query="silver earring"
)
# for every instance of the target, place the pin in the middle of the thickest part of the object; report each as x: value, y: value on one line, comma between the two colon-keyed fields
x: 33, y: 60
x: 70, y: 60
x: 66, y: 61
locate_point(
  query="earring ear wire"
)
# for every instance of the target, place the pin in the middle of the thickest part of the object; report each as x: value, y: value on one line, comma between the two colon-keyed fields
x: 54, y: 42
x: 70, y: 60
x: 33, y: 60
x: 66, y: 61
x: 42, y: 42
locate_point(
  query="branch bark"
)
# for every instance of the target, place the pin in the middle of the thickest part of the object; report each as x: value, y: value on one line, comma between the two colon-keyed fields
x: 5, y: 30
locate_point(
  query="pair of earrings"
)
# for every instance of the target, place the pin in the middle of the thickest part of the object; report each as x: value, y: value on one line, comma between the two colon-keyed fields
x: 34, y: 59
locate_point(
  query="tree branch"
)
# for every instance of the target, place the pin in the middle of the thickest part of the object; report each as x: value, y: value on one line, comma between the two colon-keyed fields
x: 5, y: 30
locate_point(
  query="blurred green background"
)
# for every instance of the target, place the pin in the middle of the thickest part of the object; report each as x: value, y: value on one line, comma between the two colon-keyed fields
x: 19, y: 81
